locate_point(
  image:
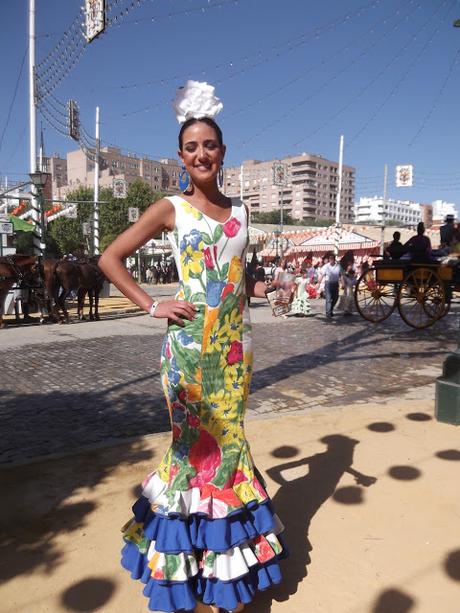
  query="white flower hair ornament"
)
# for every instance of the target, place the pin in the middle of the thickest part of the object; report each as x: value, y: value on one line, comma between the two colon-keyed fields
x: 196, y: 99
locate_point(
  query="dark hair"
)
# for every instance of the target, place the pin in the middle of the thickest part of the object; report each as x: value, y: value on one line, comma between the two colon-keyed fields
x: 396, y: 235
x: 420, y: 227
x: 208, y: 121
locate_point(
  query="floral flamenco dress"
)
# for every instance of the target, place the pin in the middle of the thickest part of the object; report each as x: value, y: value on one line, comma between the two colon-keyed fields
x: 204, y: 528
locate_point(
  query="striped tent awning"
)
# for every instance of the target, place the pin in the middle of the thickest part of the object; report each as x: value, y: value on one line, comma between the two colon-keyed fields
x: 299, y: 249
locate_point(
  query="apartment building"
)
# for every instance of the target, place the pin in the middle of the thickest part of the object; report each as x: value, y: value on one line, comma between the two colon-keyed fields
x: 377, y: 210
x: 311, y: 191
x: 161, y: 175
x: 56, y: 166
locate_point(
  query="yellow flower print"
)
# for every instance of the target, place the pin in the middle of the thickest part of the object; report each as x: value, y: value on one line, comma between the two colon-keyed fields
x: 191, y: 262
x: 231, y: 327
x: 191, y: 210
x: 218, y: 401
x: 236, y: 270
x: 233, y: 380
x: 216, y: 341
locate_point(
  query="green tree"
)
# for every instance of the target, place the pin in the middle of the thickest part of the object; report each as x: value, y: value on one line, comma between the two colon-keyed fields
x: 68, y: 233
x: 113, y: 216
x: 272, y: 217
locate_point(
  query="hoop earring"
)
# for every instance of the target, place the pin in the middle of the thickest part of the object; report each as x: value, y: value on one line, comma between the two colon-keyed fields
x: 220, y: 177
x: 184, y: 180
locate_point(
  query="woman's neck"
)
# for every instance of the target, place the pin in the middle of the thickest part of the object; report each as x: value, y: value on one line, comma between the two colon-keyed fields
x: 207, y: 193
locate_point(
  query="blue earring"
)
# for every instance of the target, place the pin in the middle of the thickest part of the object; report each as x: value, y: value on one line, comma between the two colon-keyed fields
x: 184, y: 179
x: 220, y: 178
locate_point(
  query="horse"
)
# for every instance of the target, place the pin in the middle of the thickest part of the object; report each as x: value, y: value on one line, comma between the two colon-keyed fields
x: 16, y: 269
x: 91, y: 282
x: 62, y: 277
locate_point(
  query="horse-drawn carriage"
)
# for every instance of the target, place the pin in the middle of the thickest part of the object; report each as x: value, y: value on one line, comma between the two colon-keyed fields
x: 421, y: 291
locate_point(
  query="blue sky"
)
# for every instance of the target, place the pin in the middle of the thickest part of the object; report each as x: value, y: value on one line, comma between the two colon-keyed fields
x: 292, y: 75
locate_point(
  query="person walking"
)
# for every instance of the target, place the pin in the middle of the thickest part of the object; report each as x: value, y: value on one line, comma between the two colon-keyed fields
x: 204, y: 536
x: 331, y: 273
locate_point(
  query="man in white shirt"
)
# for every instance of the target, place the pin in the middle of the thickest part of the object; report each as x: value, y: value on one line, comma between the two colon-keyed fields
x: 332, y: 271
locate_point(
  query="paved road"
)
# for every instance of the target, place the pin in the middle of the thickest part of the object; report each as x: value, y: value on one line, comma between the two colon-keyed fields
x: 66, y: 387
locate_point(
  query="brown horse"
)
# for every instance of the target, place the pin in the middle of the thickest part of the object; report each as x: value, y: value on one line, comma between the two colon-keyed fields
x: 91, y: 283
x: 16, y: 269
x: 83, y: 277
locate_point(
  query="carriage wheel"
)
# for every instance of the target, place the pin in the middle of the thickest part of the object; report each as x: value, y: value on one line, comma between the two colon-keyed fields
x: 422, y: 298
x: 374, y: 301
x: 449, y: 294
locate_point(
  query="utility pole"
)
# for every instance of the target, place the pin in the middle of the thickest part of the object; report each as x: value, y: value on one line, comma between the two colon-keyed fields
x: 36, y: 203
x: 385, y: 192
x: 337, y: 231
x: 96, y: 189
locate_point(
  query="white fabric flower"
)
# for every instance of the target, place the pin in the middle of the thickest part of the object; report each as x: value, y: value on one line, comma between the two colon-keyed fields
x: 196, y: 99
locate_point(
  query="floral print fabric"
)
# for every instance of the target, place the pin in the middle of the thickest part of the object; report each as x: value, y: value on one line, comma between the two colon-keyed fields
x: 206, y: 367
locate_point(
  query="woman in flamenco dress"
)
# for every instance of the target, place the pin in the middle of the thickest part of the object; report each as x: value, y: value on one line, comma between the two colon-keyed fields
x: 204, y: 536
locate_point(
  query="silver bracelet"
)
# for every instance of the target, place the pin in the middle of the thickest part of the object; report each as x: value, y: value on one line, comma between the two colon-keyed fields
x: 153, y: 308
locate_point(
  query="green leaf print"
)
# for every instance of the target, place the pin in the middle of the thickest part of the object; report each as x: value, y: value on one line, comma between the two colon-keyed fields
x: 206, y: 238
x: 186, y: 359
x: 228, y: 465
x: 217, y: 233
x: 187, y: 290
x: 198, y: 297
x: 172, y: 563
x: 210, y: 559
x: 212, y: 275
x: 229, y: 303
x: 182, y: 478
x: 214, y: 381
x: 224, y: 271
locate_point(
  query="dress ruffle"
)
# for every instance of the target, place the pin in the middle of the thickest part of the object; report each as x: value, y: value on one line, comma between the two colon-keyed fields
x: 171, y: 596
x: 184, y: 556
x: 174, y: 534
x: 209, y: 500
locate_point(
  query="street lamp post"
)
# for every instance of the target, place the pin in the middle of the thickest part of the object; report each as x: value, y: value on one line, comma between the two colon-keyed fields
x: 38, y: 180
x: 280, y: 179
x: 448, y: 386
x: 277, y: 233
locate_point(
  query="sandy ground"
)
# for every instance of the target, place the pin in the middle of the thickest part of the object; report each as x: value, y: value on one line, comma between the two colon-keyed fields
x: 357, y: 545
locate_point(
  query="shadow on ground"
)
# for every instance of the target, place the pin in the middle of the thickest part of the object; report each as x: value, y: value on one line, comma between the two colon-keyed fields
x: 37, y: 507
x: 298, y: 499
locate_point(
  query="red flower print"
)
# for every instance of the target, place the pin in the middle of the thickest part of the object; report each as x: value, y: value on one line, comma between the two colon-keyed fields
x: 228, y: 289
x: 231, y: 227
x: 236, y: 477
x: 214, y: 248
x: 193, y: 421
x: 205, y: 457
x: 168, y: 353
x: 182, y: 395
x: 176, y: 432
x: 229, y: 497
x: 258, y: 486
x: 235, y: 353
x: 208, y: 261
x: 158, y: 574
x: 263, y: 550
x: 239, y: 477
